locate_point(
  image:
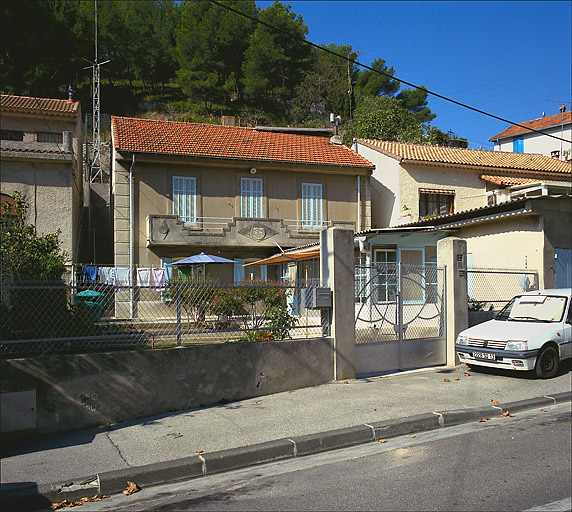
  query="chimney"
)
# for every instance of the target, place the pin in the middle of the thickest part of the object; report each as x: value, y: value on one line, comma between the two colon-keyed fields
x: 543, y: 114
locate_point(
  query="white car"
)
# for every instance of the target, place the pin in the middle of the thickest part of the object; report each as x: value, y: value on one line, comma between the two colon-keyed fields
x: 532, y: 332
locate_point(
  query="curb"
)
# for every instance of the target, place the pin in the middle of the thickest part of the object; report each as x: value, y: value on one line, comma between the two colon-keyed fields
x: 33, y: 497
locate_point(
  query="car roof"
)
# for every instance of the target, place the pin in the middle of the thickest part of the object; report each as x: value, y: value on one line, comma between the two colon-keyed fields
x: 551, y: 291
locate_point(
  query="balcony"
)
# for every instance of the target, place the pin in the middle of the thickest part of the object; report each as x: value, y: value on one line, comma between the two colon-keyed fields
x: 171, y: 230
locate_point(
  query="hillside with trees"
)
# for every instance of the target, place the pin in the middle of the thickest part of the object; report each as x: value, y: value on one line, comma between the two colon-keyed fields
x: 197, y: 61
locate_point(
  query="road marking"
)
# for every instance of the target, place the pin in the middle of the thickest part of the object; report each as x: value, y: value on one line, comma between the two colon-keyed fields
x: 564, y: 505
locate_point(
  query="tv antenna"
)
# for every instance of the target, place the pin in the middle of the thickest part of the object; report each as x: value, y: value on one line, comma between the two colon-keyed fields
x: 95, y: 172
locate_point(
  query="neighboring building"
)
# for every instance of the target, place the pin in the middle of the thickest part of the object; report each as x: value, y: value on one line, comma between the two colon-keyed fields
x: 412, y: 182
x: 42, y: 159
x: 235, y: 192
x: 520, y: 139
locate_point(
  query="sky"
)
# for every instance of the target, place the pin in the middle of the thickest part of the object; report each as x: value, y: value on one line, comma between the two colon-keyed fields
x: 511, y: 59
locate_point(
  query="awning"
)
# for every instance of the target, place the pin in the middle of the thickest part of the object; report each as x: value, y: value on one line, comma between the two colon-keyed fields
x: 284, y: 257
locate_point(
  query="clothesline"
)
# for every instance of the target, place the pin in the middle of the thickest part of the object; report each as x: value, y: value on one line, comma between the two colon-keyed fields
x: 121, y: 277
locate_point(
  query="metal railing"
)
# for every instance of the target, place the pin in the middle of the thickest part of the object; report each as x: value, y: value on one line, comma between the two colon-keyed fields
x: 491, y: 289
x: 54, y: 318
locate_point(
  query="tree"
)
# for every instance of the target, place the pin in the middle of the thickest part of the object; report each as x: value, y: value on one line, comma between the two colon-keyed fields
x: 328, y: 87
x: 385, y: 118
x: 24, y: 253
x: 276, y: 62
x: 210, y: 46
x: 372, y: 83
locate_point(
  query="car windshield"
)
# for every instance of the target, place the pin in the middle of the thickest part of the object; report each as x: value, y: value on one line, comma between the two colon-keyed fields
x: 534, y: 308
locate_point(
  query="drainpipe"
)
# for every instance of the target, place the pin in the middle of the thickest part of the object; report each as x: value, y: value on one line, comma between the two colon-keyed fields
x: 131, y: 235
x: 358, y: 206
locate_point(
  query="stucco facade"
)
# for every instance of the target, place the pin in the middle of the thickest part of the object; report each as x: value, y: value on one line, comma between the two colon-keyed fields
x: 48, y: 174
x: 149, y: 233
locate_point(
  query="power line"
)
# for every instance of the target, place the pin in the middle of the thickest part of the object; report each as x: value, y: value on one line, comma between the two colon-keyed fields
x: 357, y: 63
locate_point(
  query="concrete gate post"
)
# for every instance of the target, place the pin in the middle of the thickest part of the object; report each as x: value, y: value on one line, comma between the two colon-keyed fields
x: 452, y: 254
x: 337, y: 272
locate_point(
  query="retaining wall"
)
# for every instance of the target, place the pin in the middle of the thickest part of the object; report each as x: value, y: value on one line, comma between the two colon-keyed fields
x: 74, y: 391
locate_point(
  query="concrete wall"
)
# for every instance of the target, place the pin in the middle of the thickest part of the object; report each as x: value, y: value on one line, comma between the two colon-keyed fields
x: 75, y: 391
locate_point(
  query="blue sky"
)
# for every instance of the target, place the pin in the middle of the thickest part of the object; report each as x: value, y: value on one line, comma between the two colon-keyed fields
x: 512, y: 59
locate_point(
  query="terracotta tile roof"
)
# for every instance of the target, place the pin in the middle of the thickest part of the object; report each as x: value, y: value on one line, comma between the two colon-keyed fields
x: 229, y: 142
x: 535, y: 124
x: 510, y: 180
x: 26, y: 104
x: 471, y: 158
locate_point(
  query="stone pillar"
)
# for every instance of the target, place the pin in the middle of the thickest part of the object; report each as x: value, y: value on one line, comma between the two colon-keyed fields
x: 337, y: 272
x: 452, y: 254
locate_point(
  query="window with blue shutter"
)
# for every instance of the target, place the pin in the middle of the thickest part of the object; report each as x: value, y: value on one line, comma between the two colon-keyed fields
x: 311, y: 205
x: 518, y: 146
x: 185, y: 198
x: 251, y: 197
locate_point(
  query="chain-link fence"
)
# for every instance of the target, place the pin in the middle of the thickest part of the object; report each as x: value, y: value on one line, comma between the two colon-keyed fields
x: 53, y: 317
x: 490, y: 289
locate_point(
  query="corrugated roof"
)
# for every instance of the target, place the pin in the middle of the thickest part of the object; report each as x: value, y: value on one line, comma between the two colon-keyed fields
x: 535, y: 124
x: 215, y: 141
x: 471, y: 158
x: 510, y: 180
x: 27, y: 104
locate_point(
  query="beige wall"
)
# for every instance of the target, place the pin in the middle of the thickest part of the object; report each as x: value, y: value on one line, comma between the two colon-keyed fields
x: 470, y: 191
x: 218, y: 195
x: 516, y: 243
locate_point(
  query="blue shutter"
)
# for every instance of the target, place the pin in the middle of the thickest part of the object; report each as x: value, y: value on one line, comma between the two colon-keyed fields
x: 518, y: 146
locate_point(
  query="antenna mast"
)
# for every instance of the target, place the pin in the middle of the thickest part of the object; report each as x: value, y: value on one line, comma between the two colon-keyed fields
x: 95, y: 171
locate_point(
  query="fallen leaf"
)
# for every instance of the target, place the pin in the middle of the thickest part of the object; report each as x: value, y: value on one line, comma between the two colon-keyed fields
x: 457, y: 378
x: 456, y: 369
x: 413, y: 436
x: 382, y: 441
x: 511, y: 415
x: 467, y: 374
x: 446, y: 380
x: 346, y: 382
x: 198, y: 451
x: 494, y: 401
x: 484, y: 419
x: 543, y: 410
x: 131, y: 488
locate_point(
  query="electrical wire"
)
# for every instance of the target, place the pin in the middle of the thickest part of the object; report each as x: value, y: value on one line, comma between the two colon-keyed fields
x: 357, y: 63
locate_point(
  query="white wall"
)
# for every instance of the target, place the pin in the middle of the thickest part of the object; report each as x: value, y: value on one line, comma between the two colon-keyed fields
x: 540, y: 144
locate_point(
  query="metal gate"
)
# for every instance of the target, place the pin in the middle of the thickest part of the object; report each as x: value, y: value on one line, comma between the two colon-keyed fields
x: 400, y: 317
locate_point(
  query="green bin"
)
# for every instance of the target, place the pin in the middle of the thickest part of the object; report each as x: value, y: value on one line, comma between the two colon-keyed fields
x: 91, y: 303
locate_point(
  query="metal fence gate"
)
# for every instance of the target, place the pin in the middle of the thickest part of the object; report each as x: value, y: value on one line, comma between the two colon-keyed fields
x: 400, y: 317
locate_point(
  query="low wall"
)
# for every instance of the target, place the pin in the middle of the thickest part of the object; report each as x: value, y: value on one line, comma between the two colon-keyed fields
x: 75, y: 391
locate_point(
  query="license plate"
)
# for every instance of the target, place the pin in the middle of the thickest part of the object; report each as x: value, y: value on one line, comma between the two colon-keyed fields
x: 484, y: 355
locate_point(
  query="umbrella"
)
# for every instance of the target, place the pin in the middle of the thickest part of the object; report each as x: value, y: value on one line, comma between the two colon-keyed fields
x: 203, y: 259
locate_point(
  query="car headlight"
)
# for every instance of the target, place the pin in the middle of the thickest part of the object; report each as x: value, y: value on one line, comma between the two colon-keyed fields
x: 516, y: 345
x: 462, y: 340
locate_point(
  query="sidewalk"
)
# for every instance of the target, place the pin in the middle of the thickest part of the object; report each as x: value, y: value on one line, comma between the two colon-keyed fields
x: 184, y: 444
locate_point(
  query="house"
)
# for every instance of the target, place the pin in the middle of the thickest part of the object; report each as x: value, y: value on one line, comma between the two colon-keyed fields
x: 41, y: 151
x: 412, y: 182
x: 521, y: 139
x: 179, y: 189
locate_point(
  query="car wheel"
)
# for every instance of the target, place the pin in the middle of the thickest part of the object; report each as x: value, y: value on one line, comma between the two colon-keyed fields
x: 547, y: 363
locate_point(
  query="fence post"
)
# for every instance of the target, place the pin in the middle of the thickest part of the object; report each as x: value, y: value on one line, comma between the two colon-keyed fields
x: 178, y: 316
x: 337, y: 271
x: 452, y: 254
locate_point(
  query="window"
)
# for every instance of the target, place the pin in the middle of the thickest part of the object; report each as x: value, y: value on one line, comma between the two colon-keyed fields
x: 433, y: 203
x: 251, y: 197
x: 50, y: 137
x: 385, y: 278
x: 311, y: 205
x: 11, y: 135
x: 185, y: 198
x: 518, y: 146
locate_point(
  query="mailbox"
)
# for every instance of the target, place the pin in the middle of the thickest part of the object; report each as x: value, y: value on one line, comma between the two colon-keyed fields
x: 319, y: 298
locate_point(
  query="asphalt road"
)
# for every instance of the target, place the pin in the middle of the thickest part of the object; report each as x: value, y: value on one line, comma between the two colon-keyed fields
x: 511, y: 463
